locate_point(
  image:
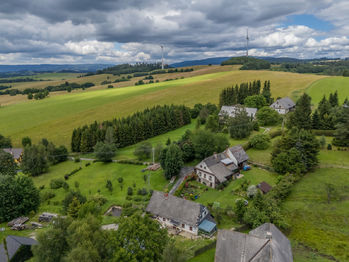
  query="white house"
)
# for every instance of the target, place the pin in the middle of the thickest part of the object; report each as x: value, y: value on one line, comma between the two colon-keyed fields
x: 283, y: 105
x: 221, y: 167
x: 180, y: 214
x: 231, y: 111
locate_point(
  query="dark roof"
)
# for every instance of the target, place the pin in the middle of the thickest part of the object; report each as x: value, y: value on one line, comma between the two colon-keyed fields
x: 263, y: 244
x: 13, y: 243
x: 239, y: 153
x: 265, y: 187
x: 175, y: 208
x: 285, y: 102
x: 15, y: 152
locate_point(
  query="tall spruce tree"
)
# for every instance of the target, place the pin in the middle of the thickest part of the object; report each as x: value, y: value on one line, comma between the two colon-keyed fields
x: 301, y: 117
x: 334, y: 99
x: 315, y: 120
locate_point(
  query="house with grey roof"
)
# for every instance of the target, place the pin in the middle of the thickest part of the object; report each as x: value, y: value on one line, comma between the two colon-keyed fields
x: 231, y: 111
x: 283, y: 105
x: 219, y: 168
x: 17, y: 153
x: 266, y: 243
x: 16, y: 248
x: 180, y: 214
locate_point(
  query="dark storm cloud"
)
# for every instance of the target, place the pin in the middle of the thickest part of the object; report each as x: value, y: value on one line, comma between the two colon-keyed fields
x: 87, y: 29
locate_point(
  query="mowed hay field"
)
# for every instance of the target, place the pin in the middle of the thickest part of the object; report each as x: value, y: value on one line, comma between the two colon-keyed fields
x: 329, y: 85
x: 55, y: 117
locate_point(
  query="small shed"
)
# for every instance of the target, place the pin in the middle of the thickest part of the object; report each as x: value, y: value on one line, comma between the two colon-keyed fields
x: 17, y: 221
x: 114, y: 211
x: 264, y: 187
x: 47, y: 217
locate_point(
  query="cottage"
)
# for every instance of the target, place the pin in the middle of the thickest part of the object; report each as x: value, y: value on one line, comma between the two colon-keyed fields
x: 219, y: 168
x: 180, y: 214
x: 17, y: 153
x: 264, y: 187
x: 47, y: 217
x: 16, y: 248
x: 231, y: 111
x: 265, y: 243
x: 283, y: 105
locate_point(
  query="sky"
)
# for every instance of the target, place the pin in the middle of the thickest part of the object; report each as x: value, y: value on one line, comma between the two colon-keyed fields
x: 128, y: 31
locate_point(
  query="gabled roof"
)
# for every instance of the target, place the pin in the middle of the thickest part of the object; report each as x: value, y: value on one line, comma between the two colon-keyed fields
x: 175, y: 208
x: 285, y: 103
x: 263, y: 244
x: 232, y: 110
x: 265, y: 187
x: 239, y: 153
x: 13, y: 243
x: 15, y: 152
x: 3, y: 256
x: 218, y: 168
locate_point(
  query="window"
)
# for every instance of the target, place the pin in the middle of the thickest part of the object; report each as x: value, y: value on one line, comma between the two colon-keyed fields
x: 191, y: 228
x: 204, y: 167
x: 164, y: 219
x: 210, y: 178
x: 201, y: 166
x: 204, y: 175
x: 183, y: 225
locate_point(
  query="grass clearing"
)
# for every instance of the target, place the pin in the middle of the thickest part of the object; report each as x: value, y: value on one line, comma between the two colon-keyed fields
x: 329, y: 85
x: 207, y: 256
x: 313, y: 221
x: 55, y: 117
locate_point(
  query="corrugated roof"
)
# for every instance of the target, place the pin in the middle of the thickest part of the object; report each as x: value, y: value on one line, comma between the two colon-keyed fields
x: 265, y: 187
x: 175, y: 208
x: 232, y: 110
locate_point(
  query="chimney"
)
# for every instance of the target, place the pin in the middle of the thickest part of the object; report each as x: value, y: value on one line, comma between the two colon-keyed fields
x: 269, y: 235
x: 166, y: 196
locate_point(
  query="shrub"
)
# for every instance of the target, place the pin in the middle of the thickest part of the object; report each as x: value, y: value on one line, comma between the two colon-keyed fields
x: 47, y: 195
x: 142, y: 192
x: 57, y: 183
x: 77, y: 160
x: 129, y: 191
x: 260, y: 141
x: 267, y: 116
x: 329, y: 147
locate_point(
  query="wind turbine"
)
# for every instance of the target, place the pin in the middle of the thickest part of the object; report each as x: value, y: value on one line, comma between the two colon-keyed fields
x: 162, y: 57
x: 247, y: 39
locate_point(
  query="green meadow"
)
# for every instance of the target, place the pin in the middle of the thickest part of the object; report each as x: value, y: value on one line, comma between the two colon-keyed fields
x: 55, y: 117
x: 329, y: 85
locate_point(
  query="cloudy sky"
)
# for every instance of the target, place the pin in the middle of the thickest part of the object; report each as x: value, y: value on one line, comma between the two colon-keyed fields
x: 117, y: 31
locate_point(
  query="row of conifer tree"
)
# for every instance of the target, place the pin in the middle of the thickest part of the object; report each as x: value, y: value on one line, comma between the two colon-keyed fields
x: 132, y: 129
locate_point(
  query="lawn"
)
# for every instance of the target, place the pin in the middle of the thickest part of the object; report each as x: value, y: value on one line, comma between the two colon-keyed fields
x: 207, y: 256
x: 92, y: 180
x: 313, y: 221
x: 226, y: 197
x: 55, y: 117
x: 329, y: 85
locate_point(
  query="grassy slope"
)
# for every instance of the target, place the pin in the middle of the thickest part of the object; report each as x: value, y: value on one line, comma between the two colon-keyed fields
x: 314, y: 222
x: 55, y: 117
x: 329, y: 85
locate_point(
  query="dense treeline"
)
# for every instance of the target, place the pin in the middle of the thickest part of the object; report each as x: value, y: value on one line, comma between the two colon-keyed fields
x: 248, y: 63
x: 238, y: 94
x: 132, y: 129
x: 63, y: 87
x: 4, y: 87
x: 17, y: 80
x: 129, y: 69
x: 326, y: 67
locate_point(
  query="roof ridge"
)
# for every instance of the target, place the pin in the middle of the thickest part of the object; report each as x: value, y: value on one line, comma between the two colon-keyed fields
x: 258, y: 251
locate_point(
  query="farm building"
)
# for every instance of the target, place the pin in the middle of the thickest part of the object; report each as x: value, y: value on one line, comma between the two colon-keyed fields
x: 264, y: 187
x: 265, y: 243
x: 17, y: 153
x: 16, y: 248
x: 231, y: 111
x: 219, y: 168
x: 180, y: 214
x: 283, y: 105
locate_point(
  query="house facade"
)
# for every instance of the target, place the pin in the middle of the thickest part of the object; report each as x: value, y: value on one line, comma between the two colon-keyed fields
x: 219, y: 168
x: 179, y: 214
x: 231, y: 111
x: 283, y: 105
